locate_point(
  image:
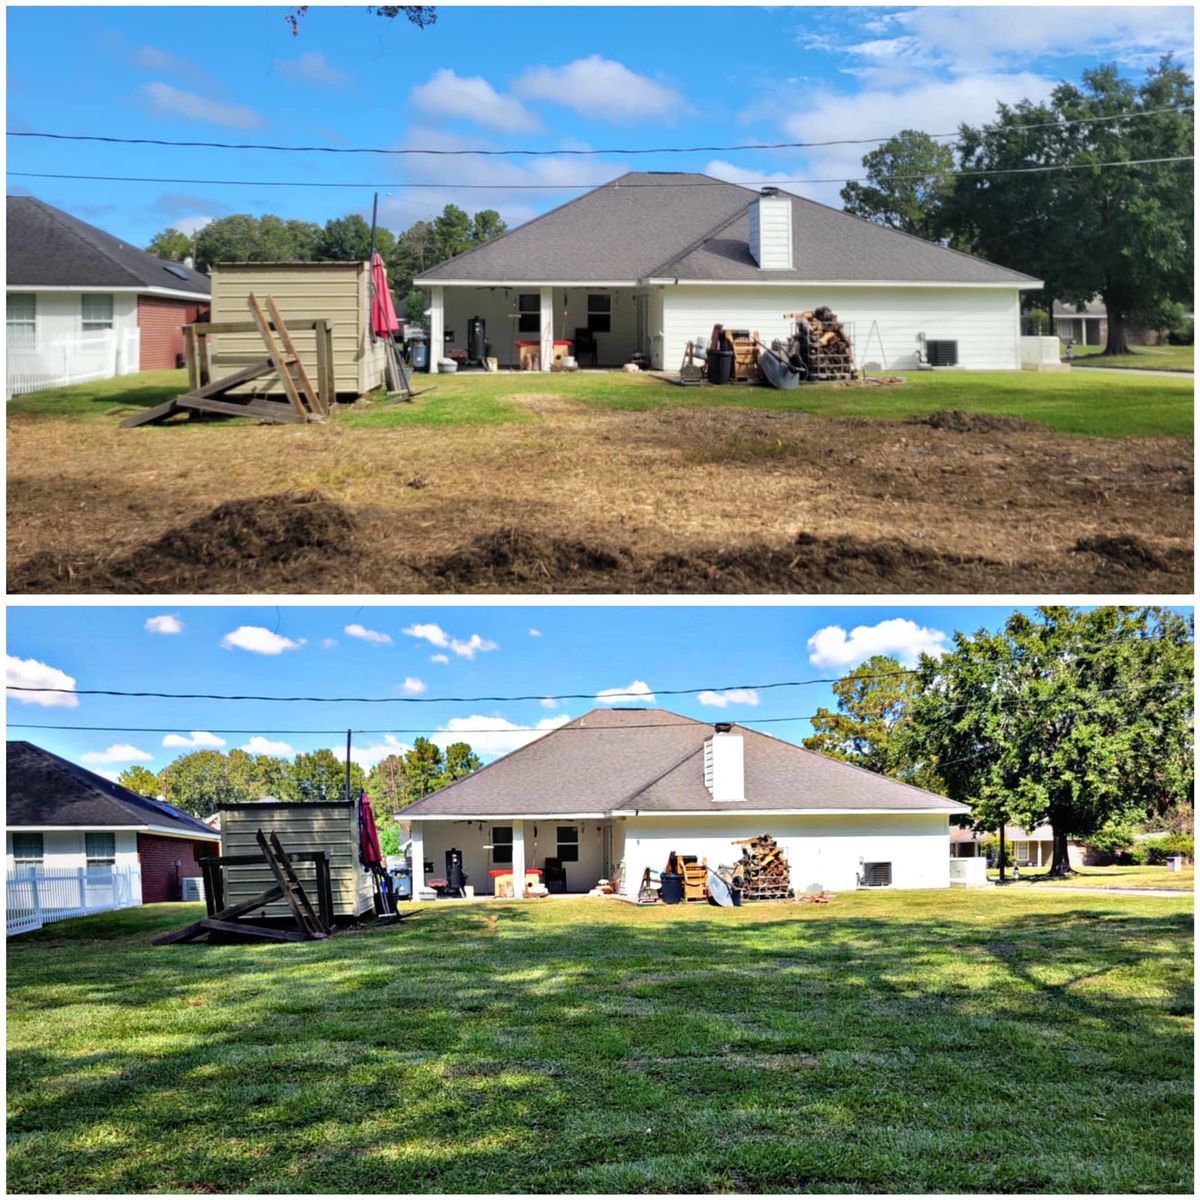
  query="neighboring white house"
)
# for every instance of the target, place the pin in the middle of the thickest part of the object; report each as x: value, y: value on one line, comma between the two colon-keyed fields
x: 620, y: 789
x: 653, y: 260
x: 83, y: 305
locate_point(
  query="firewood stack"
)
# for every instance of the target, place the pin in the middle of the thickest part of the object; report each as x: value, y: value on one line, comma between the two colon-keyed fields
x: 824, y: 345
x: 765, y: 874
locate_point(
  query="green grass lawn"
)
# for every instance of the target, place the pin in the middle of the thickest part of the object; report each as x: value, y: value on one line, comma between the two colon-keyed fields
x: 914, y: 1042
x: 1122, y: 877
x: 1086, y: 402
x: 1159, y: 358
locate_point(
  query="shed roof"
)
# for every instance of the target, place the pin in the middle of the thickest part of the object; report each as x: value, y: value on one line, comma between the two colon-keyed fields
x: 50, y: 248
x: 45, y: 791
x: 651, y: 760
x: 685, y: 225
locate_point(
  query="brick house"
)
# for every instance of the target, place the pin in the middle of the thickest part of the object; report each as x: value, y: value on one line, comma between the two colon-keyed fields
x: 60, y: 816
x: 84, y: 305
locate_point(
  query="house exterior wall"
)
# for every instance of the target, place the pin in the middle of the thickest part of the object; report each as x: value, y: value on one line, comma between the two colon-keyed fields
x: 338, y: 292
x: 161, y: 321
x: 984, y: 321
x: 65, y: 849
x: 158, y: 855
x: 472, y: 838
x: 824, y: 850
x: 61, y: 352
x: 498, y: 307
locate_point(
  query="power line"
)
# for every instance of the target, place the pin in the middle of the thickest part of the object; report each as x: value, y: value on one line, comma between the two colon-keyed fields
x: 391, y: 184
x: 573, y: 153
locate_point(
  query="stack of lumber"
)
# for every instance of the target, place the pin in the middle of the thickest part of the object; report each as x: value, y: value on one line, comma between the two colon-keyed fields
x: 823, y: 344
x: 745, y: 355
x: 765, y: 874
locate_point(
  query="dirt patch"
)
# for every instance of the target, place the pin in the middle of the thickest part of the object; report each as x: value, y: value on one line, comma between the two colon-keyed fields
x: 953, y: 420
x: 1131, y: 552
x: 239, y: 537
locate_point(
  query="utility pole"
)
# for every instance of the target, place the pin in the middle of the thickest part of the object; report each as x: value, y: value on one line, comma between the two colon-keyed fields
x: 348, y: 732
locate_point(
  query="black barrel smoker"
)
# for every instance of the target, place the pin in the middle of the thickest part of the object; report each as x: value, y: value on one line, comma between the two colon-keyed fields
x: 477, y: 343
x: 455, y: 879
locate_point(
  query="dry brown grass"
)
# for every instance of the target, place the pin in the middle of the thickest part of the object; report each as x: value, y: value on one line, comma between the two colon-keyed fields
x: 577, y: 499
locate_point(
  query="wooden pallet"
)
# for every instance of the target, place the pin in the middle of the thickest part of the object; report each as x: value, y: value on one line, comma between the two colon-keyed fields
x: 279, y: 359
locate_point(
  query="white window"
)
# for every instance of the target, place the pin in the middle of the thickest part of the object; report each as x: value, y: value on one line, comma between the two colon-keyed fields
x: 101, y: 849
x: 568, y: 843
x: 529, y: 305
x: 28, y: 851
x: 97, y: 312
x: 599, y: 312
x: 502, y: 845
x: 21, y: 312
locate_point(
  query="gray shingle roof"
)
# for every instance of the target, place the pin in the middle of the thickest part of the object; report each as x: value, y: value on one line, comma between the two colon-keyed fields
x: 50, y: 248
x: 46, y: 790
x: 690, y: 226
x: 652, y: 760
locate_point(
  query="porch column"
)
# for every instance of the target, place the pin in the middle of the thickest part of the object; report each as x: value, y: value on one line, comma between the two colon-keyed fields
x: 417, y: 850
x: 518, y: 862
x: 547, y: 324
x: 437, y: 326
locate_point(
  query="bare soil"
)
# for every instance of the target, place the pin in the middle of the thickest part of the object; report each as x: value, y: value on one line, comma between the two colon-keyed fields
x: 579, y: 500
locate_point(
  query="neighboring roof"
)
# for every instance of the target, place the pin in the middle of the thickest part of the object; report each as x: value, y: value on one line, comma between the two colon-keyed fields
x: 50, y: 248
x: 45, y: 791
x: 1012, y: 833
x: 688, y: 226
x: 1093, y: 308
x: 651, y: 760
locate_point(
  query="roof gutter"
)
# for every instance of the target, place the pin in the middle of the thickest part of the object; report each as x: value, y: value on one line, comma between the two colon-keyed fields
x: 735, y: 808
x: 515, y: 283
x: 843, y: 283
x: 405, y: 815
x: 207, y: 835
x: 115, y: 290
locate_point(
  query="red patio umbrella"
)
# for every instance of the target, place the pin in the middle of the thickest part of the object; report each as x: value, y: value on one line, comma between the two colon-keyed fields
x: 369, y: 850
x: 383, y: 312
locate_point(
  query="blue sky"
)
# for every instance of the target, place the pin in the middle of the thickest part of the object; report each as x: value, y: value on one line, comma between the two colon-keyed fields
x: 430, y: 653
x: 552, y: 79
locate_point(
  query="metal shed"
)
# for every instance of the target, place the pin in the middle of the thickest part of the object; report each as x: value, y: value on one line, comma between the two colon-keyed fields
x: 323, y: 825
x: 338, y: 291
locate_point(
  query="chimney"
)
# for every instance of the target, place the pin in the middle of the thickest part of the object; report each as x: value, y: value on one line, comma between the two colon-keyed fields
x: 724, y: 765
x: 771, y: 230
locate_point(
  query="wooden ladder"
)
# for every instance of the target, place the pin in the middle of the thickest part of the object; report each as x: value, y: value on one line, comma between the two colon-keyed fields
x: 293, y: 891
x: 301, y: 395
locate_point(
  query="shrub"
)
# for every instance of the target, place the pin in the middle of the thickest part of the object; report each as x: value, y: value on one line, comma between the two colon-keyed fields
x: 990, y: 846
x: 1113, y: 843
x: 1183, y: 334
x: 1157, y: 850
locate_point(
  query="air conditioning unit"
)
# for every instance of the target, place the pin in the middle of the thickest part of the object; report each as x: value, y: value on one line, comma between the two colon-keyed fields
x: 191, y: 887
x: 876, y: 874
x: 941, y: 353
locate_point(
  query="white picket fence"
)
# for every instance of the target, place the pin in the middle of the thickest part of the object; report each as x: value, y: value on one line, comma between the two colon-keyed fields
x: 38, y: 896
x: 50, y: 362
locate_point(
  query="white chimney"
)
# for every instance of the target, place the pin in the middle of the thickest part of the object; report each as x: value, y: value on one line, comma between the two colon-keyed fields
x: 771, y: 231
x: 724, y: 765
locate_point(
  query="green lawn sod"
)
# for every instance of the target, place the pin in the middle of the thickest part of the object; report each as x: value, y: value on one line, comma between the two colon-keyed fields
x: 927, y: 1041
x: 1120, y: 877
x: 1085, y: 402
x: 1158, y: 358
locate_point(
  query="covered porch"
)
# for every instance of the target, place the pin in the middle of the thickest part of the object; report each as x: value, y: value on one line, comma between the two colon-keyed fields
x: 568, y: 853
x: 528, y: 325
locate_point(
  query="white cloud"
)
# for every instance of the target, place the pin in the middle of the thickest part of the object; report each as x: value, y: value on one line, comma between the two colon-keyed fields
x: 371, y: 756
x: 258, y: 640
x: 328, y: 643
x: 311, y: 67
x: 600, y: 89
x: 191, y: 225
x: 368, y: 635
x: 414, y: 686
x: 439, y: 658
x: 163, y: 62
x: 261, y: 745
x: 196, y: 740
x: 729, y: 696
x: 448, y: 94
x: 120, y: 753
x: 435, y: 635
x: 493, y: 736
x: 548, y: 702
x: 177, y: 103
x: 30, y: 673
x: 636, y: 693
x: 899, y: 637
x: 111, y: 776
x: 535, y: 633
x: 164, y: 624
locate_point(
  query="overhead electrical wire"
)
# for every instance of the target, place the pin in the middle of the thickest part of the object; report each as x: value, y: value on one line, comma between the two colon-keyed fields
x: 392, y: 184
x: 573, y: 152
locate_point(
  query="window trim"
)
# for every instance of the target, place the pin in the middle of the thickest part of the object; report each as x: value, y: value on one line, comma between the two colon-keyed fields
x: 599, y: 312
x: 99, y: 860
x: 574, y: 845
x: 96, y: 324
x: 499, y: 843
x: 529, y: 317
x: 25, y: 324
x: 25, y: 860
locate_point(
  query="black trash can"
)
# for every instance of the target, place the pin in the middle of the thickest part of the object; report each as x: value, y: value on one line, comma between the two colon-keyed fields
x: 672, y: 888
x: 720, y: 366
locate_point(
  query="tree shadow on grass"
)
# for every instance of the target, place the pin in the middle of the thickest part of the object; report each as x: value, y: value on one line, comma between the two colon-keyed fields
x: 514, y: 1048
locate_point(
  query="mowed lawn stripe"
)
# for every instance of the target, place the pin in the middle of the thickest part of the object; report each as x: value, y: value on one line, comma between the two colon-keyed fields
x: 950, y: 1041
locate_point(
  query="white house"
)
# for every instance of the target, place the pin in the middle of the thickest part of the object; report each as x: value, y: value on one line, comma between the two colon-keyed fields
x: 653, y: 260
x: 617, y: 790
x: 82, y: 304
